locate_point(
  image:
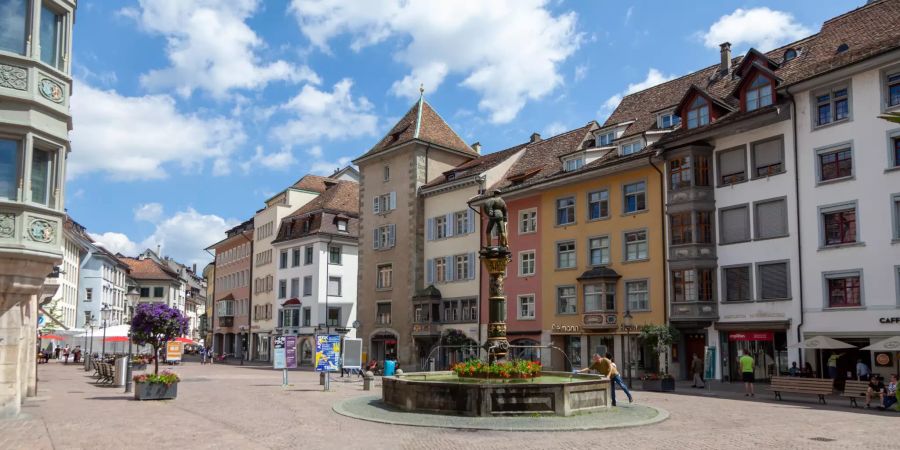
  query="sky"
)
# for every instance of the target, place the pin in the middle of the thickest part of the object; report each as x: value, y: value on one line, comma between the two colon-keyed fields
x: 188, y: 115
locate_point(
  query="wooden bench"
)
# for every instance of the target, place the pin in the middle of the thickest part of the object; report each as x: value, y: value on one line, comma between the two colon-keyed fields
x: 854, y: 389
x: 795, y: 385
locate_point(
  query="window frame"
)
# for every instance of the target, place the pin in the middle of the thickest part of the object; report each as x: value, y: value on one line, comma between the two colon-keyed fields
x: 893, y: 149
x: 625, y: 245
x: 787, y: 231
x: 833, y: 149
x: 379, y: 281
x: 628, y: 304
x: 755, y: 173
x: 721, y: 228
x: 578, y: 162
x: 573, y: 252
x: 61, y: 24
x: 308, y: 255
x: 684, y: 167
x: 603, y: 296
x: 519, y: 299
x: 720, y: 182
x: 600, y: 202
x: 524, y: 220
x: 839, y: 274
x: 758, y: 286
x: 886, y: 84
x: 573, y: 207
x: 630, y: 145
x: 18, y: 163
x: 340, y: 254
x: 609, y: 142
x: 815, y: 96
x: 340, y: 287
x: 822, y: 210
x: 683, y: 228
x: 521, y: 261
x: 694, y: 106
x: 723, y: 295
x: 625, y: 196
x: 51, y: 175
x: 590, y: 250
x: 674, y: 120
x: 895, y: 218
x: 573, y: 297
x: 308, y: 287
x: 768, y: 84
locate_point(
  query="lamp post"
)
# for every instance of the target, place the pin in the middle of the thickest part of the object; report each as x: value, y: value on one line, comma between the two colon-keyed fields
x: 243, y: 342
x: 89, y: 322
x: 104, y: 315
x: 626, y: 322
x: 132, y: 298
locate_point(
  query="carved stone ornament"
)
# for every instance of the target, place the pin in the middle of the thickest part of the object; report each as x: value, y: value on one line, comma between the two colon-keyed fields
x: 40, y: 230
x: 51, y: 90
x: 13, y: 77
x: 7, y: 225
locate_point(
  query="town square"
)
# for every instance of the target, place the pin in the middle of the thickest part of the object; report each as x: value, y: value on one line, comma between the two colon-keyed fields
x: 449, y: 224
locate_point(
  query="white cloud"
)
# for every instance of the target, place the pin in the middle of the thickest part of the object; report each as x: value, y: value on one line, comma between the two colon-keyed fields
x: 148, y: 212
x: 210, y: 46
x: 628, y: 14
x: 280, y: 160
x: 508, y: 51
x: 116, y: 243
x: 553, y: 129
x: 761, y: 28
x: 581, y: 72
x: 135, y: 138
x: 653, y: 78
x: 320, y: 165
x: 182, y: 237
x: 326, y: 115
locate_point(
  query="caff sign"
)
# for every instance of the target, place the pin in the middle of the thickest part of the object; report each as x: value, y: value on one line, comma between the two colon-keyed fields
x: 889, y: 320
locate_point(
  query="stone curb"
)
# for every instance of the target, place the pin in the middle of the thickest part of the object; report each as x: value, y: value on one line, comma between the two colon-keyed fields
x: 428, y: 420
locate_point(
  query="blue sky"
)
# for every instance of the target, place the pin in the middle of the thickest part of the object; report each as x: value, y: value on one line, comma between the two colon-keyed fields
x: 189, y: 114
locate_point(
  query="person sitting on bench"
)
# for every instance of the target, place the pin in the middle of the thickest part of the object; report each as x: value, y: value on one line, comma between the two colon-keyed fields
x: 890, y: 392
x: 876, y: 388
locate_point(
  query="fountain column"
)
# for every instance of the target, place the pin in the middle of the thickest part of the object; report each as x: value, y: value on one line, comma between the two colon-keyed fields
x: 495, y: 257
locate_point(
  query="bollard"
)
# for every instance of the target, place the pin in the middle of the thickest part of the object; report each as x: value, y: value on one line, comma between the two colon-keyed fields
x: 367, y: 381
x: 321, y: 378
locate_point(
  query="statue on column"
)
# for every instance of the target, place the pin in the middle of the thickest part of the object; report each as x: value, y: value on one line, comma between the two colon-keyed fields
x: 495, y: 210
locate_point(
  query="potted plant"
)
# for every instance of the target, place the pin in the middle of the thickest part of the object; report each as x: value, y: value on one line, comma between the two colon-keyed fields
x: 154, y: 324
x: 519, y: 369
x: 139, y: 362
x: 659, y: 338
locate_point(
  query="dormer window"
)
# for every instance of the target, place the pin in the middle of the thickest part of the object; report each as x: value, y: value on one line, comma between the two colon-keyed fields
x: 790, y: 54
x: 667, y: 120
x: 759, y: 93
x: 342, y: 225
x: 632, y: 147
x: 607, y: 139
x: 573, y: 164
x: 698, y: 113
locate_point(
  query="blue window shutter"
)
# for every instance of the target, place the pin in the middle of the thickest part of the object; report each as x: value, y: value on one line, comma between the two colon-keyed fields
x: 375, y: 241
x: 393, y: 205
x: 429, y: 272
x: 375, y: 205
x: 450, y: 264
x: 470, y: 220
x: 448, y: 222
x: 471, y: 266
x: 392, y: 235
x: 429, y: 229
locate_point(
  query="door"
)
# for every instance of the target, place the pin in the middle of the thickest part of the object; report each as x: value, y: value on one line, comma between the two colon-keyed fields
x: 693, y: 343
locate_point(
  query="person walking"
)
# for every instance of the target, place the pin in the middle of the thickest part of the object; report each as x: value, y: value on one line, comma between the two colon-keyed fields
x: 862, y: 370
x: 832, y: 364
x: 56, y: 352
x: 746, y: 362
x: 697, y: 368
x: 66, y: 354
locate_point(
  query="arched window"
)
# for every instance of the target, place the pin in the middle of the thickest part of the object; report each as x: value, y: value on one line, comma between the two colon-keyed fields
x: 790, y: 54
x: 698, y: 113
x: 759, y: 93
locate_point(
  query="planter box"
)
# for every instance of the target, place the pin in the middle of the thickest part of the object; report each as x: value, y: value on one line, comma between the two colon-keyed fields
x: 497, y: 377
x: 155, y: 391
x: 663, y: 385
x: 135, y: 366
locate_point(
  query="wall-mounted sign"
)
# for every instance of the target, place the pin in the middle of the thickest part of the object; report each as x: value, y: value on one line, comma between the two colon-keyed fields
x: 751, y: 336
x: 889, y: 320
x: 883, y: 360
x: 600, y: 320
x: 557, y: 328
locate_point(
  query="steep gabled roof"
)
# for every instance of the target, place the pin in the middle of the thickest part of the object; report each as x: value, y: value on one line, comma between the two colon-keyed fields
x: 339, y: 201
x: 148, y: 269
x: 541, y: 159
x: 476, y: 166
x: 424, y: 124
x: 342, y: 196
x: 313, y: 183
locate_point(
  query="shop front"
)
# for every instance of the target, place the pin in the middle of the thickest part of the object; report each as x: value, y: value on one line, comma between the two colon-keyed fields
x: 768, y: 349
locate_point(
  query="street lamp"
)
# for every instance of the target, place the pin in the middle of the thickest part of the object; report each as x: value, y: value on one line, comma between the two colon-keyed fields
x: 626, y: 322
x: 89, y: 322
x: 243, y: 342
x: 132, y: 298
x: 104, y: 315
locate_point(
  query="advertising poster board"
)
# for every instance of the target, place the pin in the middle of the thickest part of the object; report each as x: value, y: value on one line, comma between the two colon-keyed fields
x: 290, y: 352
x: 174, y: 350
x: 709, y: 369
x: 352, y: 354
x: 328, y: 350
x: 279, y: 354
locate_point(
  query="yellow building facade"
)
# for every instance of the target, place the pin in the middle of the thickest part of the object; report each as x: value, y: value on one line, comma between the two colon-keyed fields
x: 604, y: 256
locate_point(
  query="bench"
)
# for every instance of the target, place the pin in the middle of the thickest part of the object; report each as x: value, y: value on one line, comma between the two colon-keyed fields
x: 795, y: 385
x: 854, y: 389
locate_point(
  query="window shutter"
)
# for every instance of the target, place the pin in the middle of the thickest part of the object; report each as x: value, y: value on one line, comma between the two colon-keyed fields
x: 280, y: 317
x: 731, y: 162
x: 391, y: 235
x: 470, y: 220
x: 471, y: 265
x: 767, y: 153
x: 449, y: 225
x: 375, y: 241
x: 429, y: 272
x: 771, y: 219
x: 429, y: 229
x: 393, y: 204
x: 737, y: 281
x: 376, y: 205
x: 735, y: 225
x: 773, y: 281
x: 450, y: 268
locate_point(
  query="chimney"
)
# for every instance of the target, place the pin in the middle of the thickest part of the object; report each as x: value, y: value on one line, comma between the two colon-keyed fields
x: 477, y: 147
x: 158, y: 249
x: 194, y: 268
x: 535, y: 137
x: 725, y: 53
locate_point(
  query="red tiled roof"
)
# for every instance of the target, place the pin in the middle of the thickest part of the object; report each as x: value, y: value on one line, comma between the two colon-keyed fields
x: 148, y: 269
x: 341, y: 200
x: 427, y: 126
x: 867, y: 31
x: 476, y: 166
x: 541, y: 159
x: 314, y: 183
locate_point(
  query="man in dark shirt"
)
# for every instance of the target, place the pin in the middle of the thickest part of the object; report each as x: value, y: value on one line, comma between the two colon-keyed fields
x: 876, y: 388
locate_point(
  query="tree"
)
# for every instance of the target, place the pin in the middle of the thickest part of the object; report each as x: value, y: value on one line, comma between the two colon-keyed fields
x: 154, y: 324
x: 660, y: 338
x: 891, y: 117
x: 54, y: 316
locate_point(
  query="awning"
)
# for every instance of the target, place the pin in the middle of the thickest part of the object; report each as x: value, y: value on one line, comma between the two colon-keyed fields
x: 770, y: 325
x: 822, y: 342
x: 891, y: 344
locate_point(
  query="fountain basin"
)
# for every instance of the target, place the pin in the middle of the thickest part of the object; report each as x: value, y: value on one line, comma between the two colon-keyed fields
x: 552, y: 393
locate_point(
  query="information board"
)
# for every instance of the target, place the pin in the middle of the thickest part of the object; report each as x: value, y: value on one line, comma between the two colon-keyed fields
x: 352, y: 358
x: 709, y: 368
x: 328, y: 351
x: 278, y: 353
x: 174, y: 349
x: 290, y: 351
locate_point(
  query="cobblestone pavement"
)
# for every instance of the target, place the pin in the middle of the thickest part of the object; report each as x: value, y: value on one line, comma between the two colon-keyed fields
x: 246, y: 407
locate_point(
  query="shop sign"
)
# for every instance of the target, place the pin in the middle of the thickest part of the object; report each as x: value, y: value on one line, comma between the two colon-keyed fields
x: 600, y: 320
x: 883, y: 360
x: 886, y: 320
x: 174, y: 349
x: 751, y: 336
x: 557, y: 328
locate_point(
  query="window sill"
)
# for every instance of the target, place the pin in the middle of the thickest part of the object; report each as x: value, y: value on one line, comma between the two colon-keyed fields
x: 387, y: 289
x: 843, y: 308
x: 895, y: 241
x: 773, y: 300
x: 771, y: 237
x: 831, y: 124
x: 735, y: 242
x: 599, y: 219
x: 633, y: 261
x: 892, y: 169
x: 766, y: 177
x: 634, y: 213
x: 566, y: 314
x: 526, y: 318
x: 731, y: 185
x: 641, y: 311
x: 522, y: 233
x: 564, y: 225
x: 835, y: 180
x: 523, y: 275
x: 837, y: 246
x: 566, y: 268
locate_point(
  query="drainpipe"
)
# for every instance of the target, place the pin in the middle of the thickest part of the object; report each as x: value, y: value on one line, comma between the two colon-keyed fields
x: 249, y: 300
x: 210, y: 308
x: 662, y: 206
x: 799, y: 228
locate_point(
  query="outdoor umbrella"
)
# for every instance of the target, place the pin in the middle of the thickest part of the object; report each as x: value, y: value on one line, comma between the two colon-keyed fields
x: 52, y: 337
x: 184, y: 340
x: 116, y: 339
x: 819, y: 343
x: 891, y: 344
